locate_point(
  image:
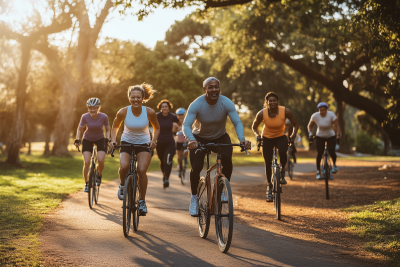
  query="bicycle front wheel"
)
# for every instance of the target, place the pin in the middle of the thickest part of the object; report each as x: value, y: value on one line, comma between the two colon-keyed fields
x: 224, y: 214
x: 203, y: 220
x: 96, y: 188
x: 277, y: 193
x: 135, y: 201
x: 327, y: 176
x: 127, y: 205
x: 91, y: 189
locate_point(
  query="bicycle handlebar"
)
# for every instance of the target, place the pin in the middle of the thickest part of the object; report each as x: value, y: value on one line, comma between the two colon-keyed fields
x: 205, y: 146
x: 127, y: 145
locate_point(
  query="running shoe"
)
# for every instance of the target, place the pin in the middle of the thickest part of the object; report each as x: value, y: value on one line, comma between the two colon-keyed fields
x: 121, y: 192
x: 194, y: 206
x: 335, y: 169
x: 319, y: 175
x: 270, y: 197
x: 98, y: 180
x: 86, y: 188
x: 166, y: 183
x: 283, y: 181
x: 142, y: 208
x: 224, y: 197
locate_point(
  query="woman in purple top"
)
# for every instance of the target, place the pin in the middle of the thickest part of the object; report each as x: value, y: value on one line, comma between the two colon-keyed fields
x: 166, y: 143
x: 94, y: 121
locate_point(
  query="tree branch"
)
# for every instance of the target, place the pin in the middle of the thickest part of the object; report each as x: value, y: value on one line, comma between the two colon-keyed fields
x: 100, y: 21
x: 355, y: 65
x: 336, y: 86
x: 210, y: 3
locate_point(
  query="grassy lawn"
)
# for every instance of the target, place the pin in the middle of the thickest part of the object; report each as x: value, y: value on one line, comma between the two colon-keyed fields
x: 26, y: 194
x: 379, y: 225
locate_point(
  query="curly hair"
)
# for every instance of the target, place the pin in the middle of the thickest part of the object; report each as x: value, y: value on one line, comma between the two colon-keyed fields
x: 269, y: 94
x: 165, y: 101
x: 146, y: 89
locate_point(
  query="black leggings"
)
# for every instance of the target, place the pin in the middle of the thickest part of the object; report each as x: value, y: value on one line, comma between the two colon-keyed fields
x: 197, y: 160
x: 281, y: 143
x: 166, y: 153
x: 320, y: 142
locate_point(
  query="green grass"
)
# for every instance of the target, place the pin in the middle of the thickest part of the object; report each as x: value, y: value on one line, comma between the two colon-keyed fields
x: 26, y: 194
x: 379, y: 225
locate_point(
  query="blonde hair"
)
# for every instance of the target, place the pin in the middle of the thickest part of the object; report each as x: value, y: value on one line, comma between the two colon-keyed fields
x: 146, y: 89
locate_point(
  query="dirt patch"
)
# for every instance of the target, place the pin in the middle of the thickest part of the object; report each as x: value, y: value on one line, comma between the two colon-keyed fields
x: 308, y: 215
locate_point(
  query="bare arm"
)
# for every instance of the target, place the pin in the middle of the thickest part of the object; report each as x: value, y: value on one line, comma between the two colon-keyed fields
x: 78, y: 134
x: 119, y: 118
x: 336, y: 122
x: 152, y: 115
x: 311, y: 126
x: 108, y: 131
x: 293, y: 121
x: 256, y: 123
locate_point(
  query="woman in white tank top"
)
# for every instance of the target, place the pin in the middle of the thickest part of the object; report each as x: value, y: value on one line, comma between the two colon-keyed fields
x: 136, y: 118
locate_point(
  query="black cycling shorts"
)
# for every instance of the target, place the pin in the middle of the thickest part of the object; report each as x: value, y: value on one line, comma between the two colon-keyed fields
x: 88, y: 145
x: 129, y: 150
x: 179, y: 146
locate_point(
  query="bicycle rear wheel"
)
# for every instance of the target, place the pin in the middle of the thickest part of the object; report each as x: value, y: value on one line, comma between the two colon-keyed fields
x: 224, y: 214
x: 277, y: 193
x: 127, y: 205
x: 135, y: 201
x: 91, y: 189
x: 327, y: 176
x: 203, y: 220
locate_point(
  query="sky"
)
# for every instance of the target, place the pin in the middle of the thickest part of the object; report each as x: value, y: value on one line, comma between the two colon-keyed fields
x: 148, y: 31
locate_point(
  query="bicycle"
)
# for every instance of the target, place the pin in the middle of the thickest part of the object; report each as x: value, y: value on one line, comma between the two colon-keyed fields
x: 94, y: 188
x: 130, y: 206
x: 276, y: 181
x: 290, y: 162
x: 183, y: 164
x: 216, y: 201
x: 326, y: 166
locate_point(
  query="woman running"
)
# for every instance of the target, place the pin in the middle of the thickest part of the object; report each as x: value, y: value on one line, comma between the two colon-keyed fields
x: 274, y: 117
x: 166, y: 143
x: 94, y: 121
x: 325, y: 133
x: 180, y: 138
x: 136, y: 119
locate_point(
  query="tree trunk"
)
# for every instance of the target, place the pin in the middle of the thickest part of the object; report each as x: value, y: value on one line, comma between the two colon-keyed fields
x: 342, y: 123
x: 17, y: 130
x: 63, y: 126
x: 47, y: 135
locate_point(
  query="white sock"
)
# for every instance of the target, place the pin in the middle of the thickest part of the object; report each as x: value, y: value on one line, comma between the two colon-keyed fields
x: 194, y: 196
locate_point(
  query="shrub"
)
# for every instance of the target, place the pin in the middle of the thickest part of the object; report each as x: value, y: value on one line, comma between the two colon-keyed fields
x: 366, y: 143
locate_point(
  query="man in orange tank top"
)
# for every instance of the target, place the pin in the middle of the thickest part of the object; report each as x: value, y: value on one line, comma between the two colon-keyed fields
x: 273, y: 135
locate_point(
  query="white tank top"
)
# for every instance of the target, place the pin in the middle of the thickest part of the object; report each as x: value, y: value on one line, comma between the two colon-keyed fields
x: 136, y: 129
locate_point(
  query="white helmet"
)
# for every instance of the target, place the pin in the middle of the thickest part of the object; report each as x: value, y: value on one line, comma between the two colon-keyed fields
x: 93, y: 102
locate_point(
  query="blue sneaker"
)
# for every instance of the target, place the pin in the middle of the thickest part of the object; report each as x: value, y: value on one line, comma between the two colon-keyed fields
x: 142, y: 208
x: 319, y: 175
x: 86, y: 188
x: 334, y: 169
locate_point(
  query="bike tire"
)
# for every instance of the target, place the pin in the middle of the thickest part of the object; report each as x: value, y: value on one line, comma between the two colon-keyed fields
x: 203, y: 220
x: 135, y: 201
x: 224, y: 215
x: 127, y: 205
x: 277, y: 193
x: 96, y: 188
x: 90, y: 184
x: 327, y: 176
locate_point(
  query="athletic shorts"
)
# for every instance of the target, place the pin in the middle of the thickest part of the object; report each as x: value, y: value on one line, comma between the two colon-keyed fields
x: 179, y: 146
x: 88, y: 145
x: 129, y: 150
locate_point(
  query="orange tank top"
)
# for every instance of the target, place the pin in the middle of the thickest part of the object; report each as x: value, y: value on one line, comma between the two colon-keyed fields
x: 274, y: 127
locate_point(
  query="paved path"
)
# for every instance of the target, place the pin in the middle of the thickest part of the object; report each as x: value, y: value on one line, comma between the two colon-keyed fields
x: 76, y: 235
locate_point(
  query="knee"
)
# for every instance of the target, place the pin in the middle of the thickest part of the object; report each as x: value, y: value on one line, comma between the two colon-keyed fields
x: 141, y: 172
x: 86, y: 164
x: 101, y: 162
x: 124, y: 167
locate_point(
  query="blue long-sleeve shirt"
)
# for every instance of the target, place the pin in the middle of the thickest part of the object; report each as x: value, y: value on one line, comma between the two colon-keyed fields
x: 209, y: 121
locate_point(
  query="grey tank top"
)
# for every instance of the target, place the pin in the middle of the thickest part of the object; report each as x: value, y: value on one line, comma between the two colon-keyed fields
x: 136, y: 129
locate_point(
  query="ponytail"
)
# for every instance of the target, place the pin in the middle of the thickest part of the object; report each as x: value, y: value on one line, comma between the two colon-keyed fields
x: 146, y: 90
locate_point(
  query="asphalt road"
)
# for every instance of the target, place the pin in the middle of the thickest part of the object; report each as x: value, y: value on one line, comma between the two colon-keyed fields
x: 168, y: 235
